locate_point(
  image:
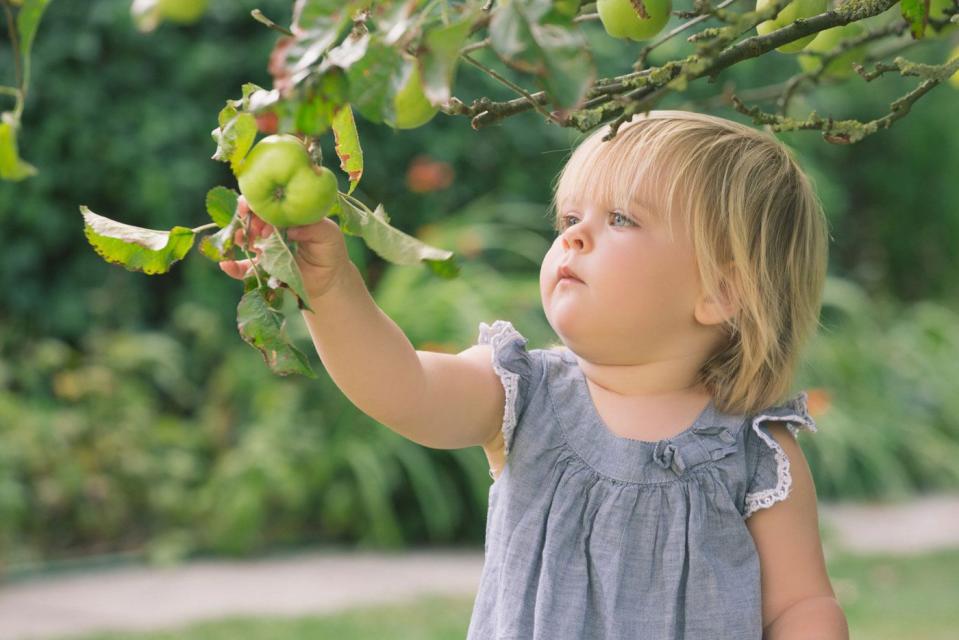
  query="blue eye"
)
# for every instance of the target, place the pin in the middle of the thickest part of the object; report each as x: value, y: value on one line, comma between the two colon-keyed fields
x: 562, y: 225
x: 617, y: 213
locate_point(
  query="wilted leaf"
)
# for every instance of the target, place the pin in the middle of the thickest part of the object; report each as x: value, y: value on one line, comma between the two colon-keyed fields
x: 321, y: 100
x: 442, y: 54
x: 234, y: 136
x: 279, y: 262
x: 512, y: 39
x: 347, y: 145
x: 531, y: 38
x: 219, y: 246
x: 373, y: 82
x: 136, y: 248
x: 263, y: 327
x: 347, y: 52
x: 317, y: 25
x: 569, y: 63
x: 390, y: 243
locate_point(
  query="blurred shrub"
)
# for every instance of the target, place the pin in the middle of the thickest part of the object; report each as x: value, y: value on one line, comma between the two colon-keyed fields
x: 182, y: 441
x: 132, y: 416
x: 882, y: 386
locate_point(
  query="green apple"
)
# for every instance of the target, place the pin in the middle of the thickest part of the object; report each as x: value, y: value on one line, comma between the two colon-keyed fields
x: 621, y: 18
x: 841, y: 66
x: 411, y: 106
x: 282, y: 185
x: 786, y: 16
x: 182, y: 11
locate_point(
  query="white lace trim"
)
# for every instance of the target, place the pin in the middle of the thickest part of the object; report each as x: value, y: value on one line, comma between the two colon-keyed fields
x: 498, y: 335
x: 795, y: 423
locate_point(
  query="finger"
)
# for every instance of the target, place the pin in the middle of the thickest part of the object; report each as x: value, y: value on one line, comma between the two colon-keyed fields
x: 242, y: 207
x: 316, y: 232
x: 235, y: 268
x: 239, y: 238
x: 260, y: 229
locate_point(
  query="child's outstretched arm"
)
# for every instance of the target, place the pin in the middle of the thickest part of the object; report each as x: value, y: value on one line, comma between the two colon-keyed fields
x: 439, y: 400
x: 798, y: 599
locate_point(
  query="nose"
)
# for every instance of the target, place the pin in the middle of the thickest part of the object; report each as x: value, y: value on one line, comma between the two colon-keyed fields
x: 575, y: 237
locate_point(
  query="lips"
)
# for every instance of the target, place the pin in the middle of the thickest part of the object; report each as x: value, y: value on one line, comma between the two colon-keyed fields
x: 566, y: 272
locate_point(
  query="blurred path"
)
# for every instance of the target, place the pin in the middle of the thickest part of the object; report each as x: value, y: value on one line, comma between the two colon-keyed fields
x: 142, y: 598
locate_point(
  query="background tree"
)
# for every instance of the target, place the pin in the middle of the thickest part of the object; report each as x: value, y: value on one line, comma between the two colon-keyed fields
x: 396, y: 63
x: 132, y: 416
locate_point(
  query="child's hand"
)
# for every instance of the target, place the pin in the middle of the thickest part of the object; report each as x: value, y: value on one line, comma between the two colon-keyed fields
x: 320, y: 251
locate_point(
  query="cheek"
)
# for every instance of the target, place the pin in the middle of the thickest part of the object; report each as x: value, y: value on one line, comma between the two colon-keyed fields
x: 550, y: 264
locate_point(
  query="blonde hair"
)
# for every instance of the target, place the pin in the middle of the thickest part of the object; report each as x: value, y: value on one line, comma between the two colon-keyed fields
x: 757, y: 227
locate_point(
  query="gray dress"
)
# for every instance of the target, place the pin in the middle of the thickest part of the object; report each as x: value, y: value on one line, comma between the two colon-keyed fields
x: 590, y: 535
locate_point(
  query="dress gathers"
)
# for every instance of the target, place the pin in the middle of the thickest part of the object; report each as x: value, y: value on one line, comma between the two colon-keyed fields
x: 590, y: 535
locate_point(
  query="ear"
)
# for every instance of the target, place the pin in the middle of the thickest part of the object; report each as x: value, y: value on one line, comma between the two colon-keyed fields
x: 709, y: 310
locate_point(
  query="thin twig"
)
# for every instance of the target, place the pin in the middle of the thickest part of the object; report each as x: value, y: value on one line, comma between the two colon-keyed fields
x: 512, y: 86
x: 259, y: 17
x: 475, y: 45
x: 896, y: 28
x: 644, y: 53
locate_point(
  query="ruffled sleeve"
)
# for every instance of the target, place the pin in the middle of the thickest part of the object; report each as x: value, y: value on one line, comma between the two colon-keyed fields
x: 514, y: 366
x: 767, y: 465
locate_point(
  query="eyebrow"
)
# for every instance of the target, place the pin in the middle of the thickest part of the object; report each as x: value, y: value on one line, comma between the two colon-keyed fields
x: 643, y: 204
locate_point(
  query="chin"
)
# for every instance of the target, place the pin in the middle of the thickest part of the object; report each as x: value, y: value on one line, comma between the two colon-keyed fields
x: 567, y: 326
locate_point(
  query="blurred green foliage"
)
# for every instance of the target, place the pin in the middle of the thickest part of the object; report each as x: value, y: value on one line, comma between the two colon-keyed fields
x: 132, y: 415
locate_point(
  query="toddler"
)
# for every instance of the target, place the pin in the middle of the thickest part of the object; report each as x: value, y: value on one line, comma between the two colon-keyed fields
x: 647, y: 482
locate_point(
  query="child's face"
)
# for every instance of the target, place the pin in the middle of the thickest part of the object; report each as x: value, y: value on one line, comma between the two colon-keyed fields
x: 639, y: 286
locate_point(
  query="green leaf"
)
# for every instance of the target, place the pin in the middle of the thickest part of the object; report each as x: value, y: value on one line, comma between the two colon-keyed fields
x: 390, y: 243
x: 234, y: 136
x: 136, y: 248
x: 12, y: 167
x: 317, y: 25
x: 258, y: 99
x: 442, y: 55
x: 373, y: 81
x: 512, y: 39
x: 916, y: 13
x: 28, y: 19
x: 560, y: 12
x: 327, y: 94
x: 556, y: 51
x: 347, y: 145
x: 219, y: 246
x: 263, y: 327
x: 393, y: 19
x: 251, y: 92
x: 221, y: 205
x: 279, y: 262
x: 569, y: 63
x: 347, y: 52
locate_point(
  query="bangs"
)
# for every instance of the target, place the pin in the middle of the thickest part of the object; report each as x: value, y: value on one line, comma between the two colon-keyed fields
x: 625, y: 173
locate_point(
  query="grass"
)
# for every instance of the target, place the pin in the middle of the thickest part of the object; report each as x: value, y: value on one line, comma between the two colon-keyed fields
x: 895, y: 597
x: 884, y: 597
